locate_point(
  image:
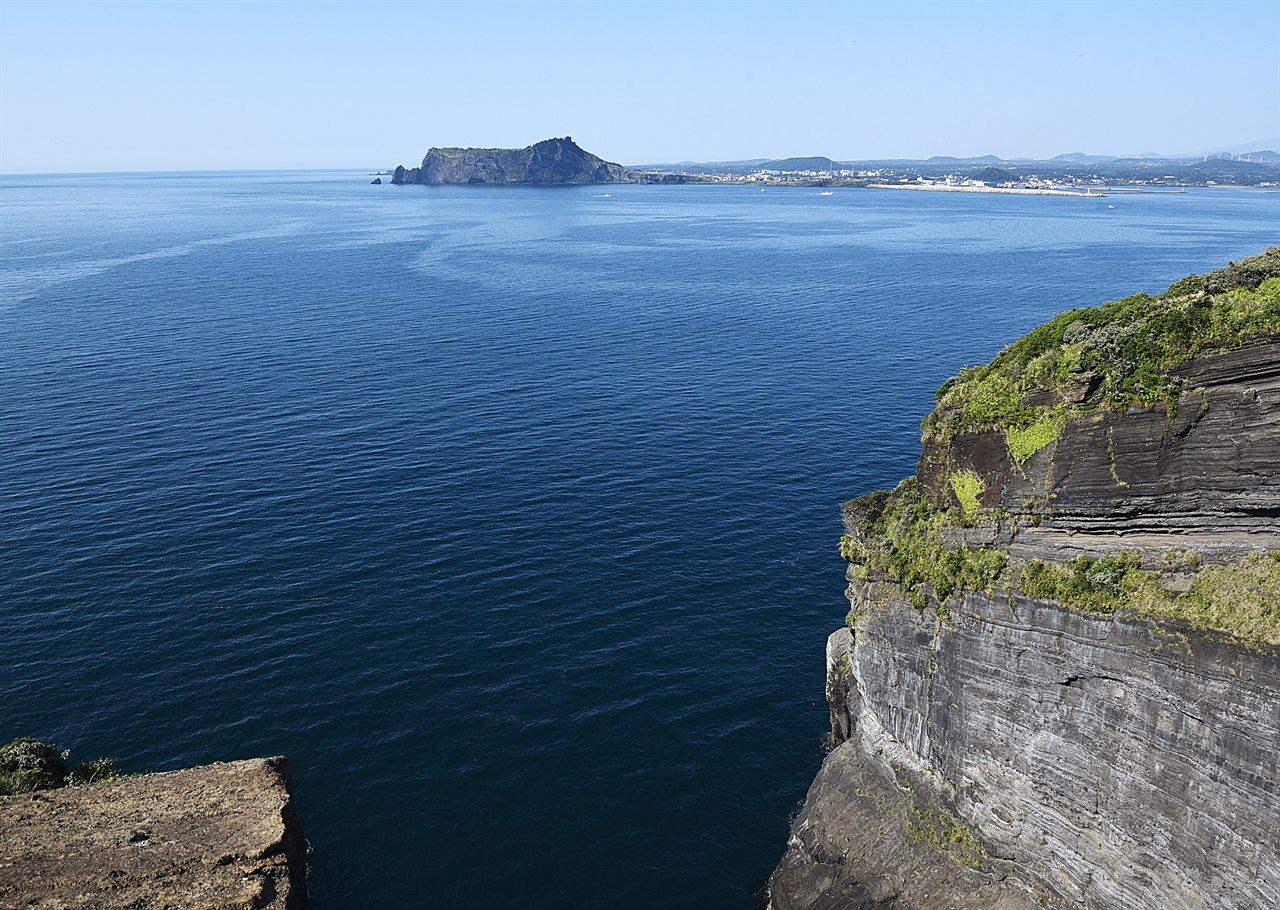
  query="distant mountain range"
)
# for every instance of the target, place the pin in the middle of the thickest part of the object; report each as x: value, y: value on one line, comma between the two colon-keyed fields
x: 1258, y: 152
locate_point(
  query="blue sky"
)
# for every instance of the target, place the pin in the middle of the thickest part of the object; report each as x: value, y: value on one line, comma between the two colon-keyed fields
x: 171, y: 86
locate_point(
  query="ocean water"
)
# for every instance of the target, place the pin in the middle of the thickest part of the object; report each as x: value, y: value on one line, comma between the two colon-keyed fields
x: 511, y: 516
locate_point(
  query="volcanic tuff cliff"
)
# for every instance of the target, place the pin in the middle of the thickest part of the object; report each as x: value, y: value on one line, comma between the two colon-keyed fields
x: 1059, y: 682
x: 547, y: 163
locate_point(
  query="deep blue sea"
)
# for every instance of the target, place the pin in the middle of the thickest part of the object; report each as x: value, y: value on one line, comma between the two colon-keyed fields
x: 509, y: 515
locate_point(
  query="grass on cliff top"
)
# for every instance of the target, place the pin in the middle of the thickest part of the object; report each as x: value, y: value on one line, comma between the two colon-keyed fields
x: 1128, y: 347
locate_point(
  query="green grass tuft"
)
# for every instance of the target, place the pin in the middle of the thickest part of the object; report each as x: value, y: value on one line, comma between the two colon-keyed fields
x: 1023, y: 443
x: 968, y: 486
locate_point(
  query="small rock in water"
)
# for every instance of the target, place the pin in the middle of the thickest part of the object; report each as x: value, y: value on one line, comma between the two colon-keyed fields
x: 376, y: 181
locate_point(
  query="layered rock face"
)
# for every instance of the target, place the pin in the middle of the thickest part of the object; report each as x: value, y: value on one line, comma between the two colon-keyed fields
x: 1059, y: 682
x: 1098, y: 761
x: 1213, y: 465
x: 550, y: 162
x: 219, y: 837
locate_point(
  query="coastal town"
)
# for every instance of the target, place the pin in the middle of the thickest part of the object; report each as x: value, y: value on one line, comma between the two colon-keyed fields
x: 1074, y: 174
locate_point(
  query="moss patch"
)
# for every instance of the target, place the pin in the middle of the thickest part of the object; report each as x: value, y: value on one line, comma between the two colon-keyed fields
x: 1025, y: 442
x: 943, y: 830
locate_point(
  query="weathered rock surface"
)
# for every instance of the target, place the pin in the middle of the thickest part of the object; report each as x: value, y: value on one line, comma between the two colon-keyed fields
x: 1099, y: 759
x: 1212, y: 465
x: 547, y: 163
x: 877, y: 832
x: 218, y: 837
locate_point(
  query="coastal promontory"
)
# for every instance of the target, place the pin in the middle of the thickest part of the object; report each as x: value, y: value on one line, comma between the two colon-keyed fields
x: 551, y: 162
x: 1059, y: 680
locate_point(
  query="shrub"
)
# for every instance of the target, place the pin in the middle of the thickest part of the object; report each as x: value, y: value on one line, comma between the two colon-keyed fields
x: 27, y: 764
x: 1039, y: 579
x: 89, y: 772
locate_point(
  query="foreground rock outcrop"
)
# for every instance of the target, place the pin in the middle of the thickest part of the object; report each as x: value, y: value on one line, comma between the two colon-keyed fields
x: 1059, y: 682
x: 551, y: 162
x: 218, y: 837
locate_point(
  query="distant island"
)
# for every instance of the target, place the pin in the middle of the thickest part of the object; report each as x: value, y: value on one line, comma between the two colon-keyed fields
x: 551, y: 162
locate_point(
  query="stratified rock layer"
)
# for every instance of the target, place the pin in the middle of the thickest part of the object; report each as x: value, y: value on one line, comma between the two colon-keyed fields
x: 1100, y: 759
x: 1212, y: 465
x: 218, y: 837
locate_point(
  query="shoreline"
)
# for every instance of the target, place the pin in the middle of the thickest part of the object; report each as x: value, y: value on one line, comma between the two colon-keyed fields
x: 1003, y: 190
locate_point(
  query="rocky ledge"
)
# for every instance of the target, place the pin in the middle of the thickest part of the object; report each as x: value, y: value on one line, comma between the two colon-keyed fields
x: 1059, y: 680
x: 218, y: 837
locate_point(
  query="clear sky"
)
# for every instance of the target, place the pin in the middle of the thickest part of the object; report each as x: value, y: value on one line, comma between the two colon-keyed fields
x: 177, y: 85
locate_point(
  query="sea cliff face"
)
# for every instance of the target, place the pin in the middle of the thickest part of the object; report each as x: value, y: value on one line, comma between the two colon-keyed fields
x: 1024, y: 754
x: 1059, y: 682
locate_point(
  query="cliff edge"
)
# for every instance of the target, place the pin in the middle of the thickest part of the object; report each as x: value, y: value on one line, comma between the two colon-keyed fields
x: 1059, y: 680
x: 218, y: 837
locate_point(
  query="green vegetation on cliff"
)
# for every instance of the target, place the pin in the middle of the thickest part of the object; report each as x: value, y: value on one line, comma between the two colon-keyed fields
x: 900, y: 534
x: 1242, y: 598
x: 1114, y: 356
x: 27, y: 764
x: 947, y: 533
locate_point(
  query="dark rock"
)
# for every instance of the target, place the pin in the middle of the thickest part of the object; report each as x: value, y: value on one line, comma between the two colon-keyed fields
x: 1211, y: 464
x: 376, y: 181
x: 1097, y: 759
x: 1003, y: 751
